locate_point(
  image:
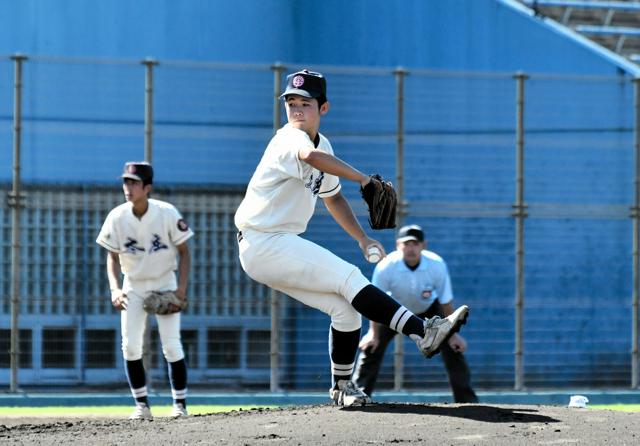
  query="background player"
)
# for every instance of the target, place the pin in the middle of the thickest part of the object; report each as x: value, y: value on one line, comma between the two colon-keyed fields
x: 147, y: 242
x: 298, y: 165
x: 419, y: 280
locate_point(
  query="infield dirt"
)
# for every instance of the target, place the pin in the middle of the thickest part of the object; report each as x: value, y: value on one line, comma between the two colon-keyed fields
x: 434, y: 424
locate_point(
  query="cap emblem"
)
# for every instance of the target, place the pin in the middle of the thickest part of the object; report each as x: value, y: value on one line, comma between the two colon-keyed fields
x: 297, y: 81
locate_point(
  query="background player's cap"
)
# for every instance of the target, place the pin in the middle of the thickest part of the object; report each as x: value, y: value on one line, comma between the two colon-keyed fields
x: 410, y: 232
x: 138, y: 170
x: 306, y: 83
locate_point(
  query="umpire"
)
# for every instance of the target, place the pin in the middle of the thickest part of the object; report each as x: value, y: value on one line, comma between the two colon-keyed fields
x: 419, y: 280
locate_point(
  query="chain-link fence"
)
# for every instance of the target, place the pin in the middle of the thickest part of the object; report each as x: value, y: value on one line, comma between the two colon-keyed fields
x: 523, y: 182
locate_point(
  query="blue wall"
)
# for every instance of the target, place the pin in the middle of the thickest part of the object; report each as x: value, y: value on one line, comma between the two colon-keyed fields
x: 248, y: 31
x: 194, y: 107
x: 478, y: 35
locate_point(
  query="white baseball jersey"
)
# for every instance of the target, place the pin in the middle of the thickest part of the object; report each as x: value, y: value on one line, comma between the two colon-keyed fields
x: 147, y: 246
x: 417, y: 290
x: 275, y: 200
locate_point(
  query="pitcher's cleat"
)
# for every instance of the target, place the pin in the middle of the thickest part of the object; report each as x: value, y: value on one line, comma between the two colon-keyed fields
x: 438, y: 330
x: 347, y: 394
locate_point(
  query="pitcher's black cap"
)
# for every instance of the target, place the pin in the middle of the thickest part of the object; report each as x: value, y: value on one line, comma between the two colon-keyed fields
x: 308, y: 84
x: 139, y: 171
x: 410, y: 232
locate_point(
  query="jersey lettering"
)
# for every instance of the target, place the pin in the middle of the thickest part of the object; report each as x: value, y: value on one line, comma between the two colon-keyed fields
x: 314, y: 186
x: 156, y: 244
x: 132, y: 246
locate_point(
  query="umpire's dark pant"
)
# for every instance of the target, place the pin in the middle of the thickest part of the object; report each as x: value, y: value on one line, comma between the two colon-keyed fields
x: 369, y: 363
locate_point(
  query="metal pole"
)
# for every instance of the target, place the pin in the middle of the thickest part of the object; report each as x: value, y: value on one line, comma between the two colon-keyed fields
x: 15, y: 202
x: 635, y: 214
x: 87, y: 234
x: 148, y: 109
x: 148, y: 157
x: 400, y: 73
x: 519, y: 214
x: 274, y: 354
x: 278, y: 69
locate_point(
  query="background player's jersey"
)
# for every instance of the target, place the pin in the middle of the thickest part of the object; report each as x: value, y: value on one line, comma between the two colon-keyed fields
x: 418, y: 289
x: 147, y: 246
x: 282, y: 193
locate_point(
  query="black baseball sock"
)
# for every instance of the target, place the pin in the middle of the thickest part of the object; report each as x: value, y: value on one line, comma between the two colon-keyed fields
x: 137, y: 380
x: 178, y: 380
x: 343, y: 346
x: 379, y: 307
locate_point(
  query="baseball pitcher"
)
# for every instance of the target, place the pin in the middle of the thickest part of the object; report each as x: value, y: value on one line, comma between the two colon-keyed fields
x: 297, y: 167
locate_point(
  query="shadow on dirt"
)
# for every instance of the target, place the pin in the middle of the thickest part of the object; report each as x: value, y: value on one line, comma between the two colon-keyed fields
x: 476, y: 412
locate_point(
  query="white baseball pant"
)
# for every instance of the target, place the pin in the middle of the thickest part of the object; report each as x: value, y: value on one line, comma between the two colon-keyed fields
x: 133, y: 321
x: 305, y: 271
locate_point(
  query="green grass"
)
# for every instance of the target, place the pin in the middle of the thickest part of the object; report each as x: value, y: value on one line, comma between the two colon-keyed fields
x: 620, y: 407
x: 110, y: 411
x: 165, y: 410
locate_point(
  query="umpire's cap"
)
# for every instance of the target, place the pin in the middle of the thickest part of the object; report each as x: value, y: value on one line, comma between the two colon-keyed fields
x: 410, y: 232
x: 139, y: 171
x: 308, y: 84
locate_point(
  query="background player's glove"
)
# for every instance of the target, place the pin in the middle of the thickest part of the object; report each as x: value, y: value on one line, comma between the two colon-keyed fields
x: 163, y: 302
x: 382, y: 201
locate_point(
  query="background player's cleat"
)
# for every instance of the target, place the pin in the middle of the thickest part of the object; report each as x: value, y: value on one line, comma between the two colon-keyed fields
x: 348, y: 394
x: 438, y: 330
x: 141, y: 412
x: 179, y: 411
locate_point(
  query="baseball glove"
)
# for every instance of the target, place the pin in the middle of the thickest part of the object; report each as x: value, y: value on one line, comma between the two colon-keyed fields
x: 382, y: 201
x: 163, y: 302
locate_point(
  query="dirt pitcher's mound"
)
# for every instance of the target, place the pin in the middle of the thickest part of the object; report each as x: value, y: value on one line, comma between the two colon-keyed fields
x: 443, y: 424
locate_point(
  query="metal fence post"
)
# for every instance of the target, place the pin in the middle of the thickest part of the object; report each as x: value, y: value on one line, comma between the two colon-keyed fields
x: 148, y: 108
x: 519, y: 214
x: 399, y: 73
x: 274, y: 349
x: 635, y: 215
x: 15, y: 201
x: 148, y: 157
x: 278, y: 69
